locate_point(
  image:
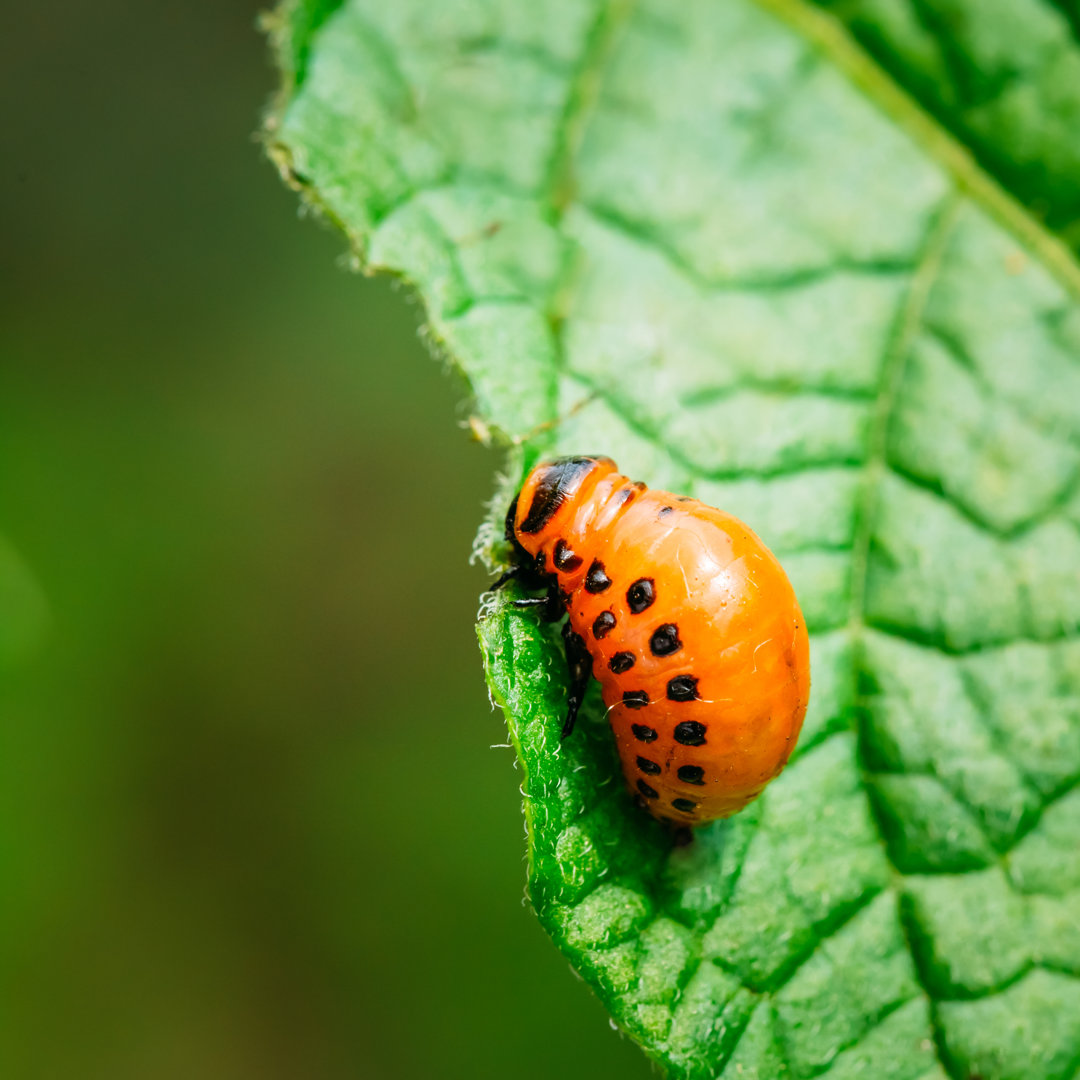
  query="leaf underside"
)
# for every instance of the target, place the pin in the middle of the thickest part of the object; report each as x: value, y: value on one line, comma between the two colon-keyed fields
x: 704, y: 239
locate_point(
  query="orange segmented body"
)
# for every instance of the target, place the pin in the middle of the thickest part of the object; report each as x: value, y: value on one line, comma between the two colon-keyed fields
x: 692, y: 626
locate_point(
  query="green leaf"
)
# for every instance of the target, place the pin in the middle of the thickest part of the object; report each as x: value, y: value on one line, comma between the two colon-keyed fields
x: 1003, y: 75
x: 716, y: 242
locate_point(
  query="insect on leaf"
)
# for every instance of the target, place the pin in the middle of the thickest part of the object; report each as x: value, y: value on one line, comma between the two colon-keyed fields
x: 718, y: 243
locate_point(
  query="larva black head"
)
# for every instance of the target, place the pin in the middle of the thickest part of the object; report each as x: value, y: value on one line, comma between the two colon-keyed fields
x: 533, y: 517
x: 511, y: 514
x: 551, y: 484
x: 521, y: 557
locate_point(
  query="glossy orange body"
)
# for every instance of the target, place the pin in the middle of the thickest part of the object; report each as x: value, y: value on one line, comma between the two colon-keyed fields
x: 705, y: 671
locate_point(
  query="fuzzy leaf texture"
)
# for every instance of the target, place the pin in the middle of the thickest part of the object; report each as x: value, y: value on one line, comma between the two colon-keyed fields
x: 718, y: 242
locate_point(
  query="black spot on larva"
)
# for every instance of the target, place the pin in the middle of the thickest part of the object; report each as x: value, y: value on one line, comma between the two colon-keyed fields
x: 665, y: 640
x: 603, y: 624
x: 556, y: 484
x: 682, y: 688
x: 628, y: 493
x: 564, y: 557
x: 647, y: 766
x: 596, y: 580
x: 641, y: 595
x: 643, y: 733
x: 686, y: 805
x: 640, y: 802
x: 690, y: 733
x: 691, y: 774
x: 683, y: 498
x: 540, y: 562
x: 621, y: 661
x: 648, y: 792
x: 664, y: 511
x: 635, y: 699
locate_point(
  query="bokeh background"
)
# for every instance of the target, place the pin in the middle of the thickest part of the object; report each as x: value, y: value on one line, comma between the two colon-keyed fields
x: 251, y: 824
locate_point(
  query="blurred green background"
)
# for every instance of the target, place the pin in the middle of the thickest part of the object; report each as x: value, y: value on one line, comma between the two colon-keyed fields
x: 250, y: 821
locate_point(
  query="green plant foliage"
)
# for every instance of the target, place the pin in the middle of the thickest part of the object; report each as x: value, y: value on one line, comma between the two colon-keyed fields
x: 1004, y: 75
x: 714, y: 241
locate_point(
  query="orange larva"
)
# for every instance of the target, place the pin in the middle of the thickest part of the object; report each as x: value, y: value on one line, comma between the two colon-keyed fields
x: 686, y: 619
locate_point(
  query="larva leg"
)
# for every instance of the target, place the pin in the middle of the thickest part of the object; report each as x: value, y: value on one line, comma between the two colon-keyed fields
x: 580, y: 665
x: 502, y: 579
x: 550, y: 602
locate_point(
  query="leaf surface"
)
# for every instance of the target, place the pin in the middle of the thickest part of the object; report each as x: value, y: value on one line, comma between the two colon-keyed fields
x: 714, y: 241
x: 1003, y: 75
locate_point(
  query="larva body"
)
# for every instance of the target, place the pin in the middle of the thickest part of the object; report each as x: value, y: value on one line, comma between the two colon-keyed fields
x: 691, y: 626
